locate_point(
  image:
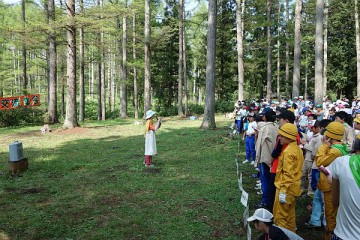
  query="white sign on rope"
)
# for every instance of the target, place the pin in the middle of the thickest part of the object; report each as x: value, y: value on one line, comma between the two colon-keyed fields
x: 248, y: 232
x: 237, y: 169
x: 244, y: 198
x: 240, y: 183
x: 246, y: 215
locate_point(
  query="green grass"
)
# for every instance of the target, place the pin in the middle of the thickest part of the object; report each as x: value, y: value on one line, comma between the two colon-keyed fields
x: 90, y: 183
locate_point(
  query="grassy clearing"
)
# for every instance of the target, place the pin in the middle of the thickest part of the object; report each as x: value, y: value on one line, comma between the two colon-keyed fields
x: 90, y: 183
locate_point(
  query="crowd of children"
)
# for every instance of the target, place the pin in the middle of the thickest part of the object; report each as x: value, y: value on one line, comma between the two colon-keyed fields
x: 302, y: 148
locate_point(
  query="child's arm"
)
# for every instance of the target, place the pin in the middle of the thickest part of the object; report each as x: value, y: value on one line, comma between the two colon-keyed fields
x: 158, y: 124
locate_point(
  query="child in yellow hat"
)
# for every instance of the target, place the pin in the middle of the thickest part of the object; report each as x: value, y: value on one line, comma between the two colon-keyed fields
x: 287, y: 179
x: 331, y: 148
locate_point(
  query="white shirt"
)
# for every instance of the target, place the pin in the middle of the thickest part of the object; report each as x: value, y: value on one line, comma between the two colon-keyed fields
x: 303, y: 120
x: 348, y: 215
x: 251, y: 128
x: 242, y: 112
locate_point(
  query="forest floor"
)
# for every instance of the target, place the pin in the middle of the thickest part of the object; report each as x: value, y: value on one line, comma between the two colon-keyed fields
x: 90, y: 183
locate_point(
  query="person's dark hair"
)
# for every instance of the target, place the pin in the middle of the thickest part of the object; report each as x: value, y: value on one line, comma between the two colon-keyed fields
x: 313, y: 116
x: 259, y: 118
x: 341, y: 115
x: 324, y: 123
x: 316, y: 124
x: 269, y: 224
x: 345, y: 117
x: 333, y: 109
x: 270, y: 116
x: 294, y: 105
x: 287, y: 115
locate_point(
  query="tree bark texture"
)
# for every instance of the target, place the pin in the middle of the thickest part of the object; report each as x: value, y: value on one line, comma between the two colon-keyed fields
x: 52, y: 105
x: 102, y: 61
x: 71, y: 118
x: 209, y: 111
x: 287, y: 47
x: 268, y: 30
x: 297, y: 50
x: 240, y: 50
x: 186, y: 97
x: 325, y: 47
x: 319, y: 52
x: 181, y: 57
x: 99, y: 60
x: 123, y: 97
x: 278, y: 56
x: 23, y: 45
x: 357, y: 30
x: 82, y: 69
x: 136, y: 100
x: 147, y: 52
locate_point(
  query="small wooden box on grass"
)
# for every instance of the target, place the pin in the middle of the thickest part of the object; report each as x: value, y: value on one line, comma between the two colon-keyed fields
x: 17, y: 163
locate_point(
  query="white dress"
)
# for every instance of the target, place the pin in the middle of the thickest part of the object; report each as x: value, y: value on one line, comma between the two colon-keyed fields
x: 150, y: 143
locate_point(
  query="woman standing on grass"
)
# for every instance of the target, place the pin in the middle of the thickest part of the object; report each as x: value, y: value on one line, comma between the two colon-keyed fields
x: 150, y: 140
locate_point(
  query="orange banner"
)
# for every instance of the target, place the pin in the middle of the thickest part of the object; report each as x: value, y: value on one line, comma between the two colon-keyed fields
x: 20, y: 101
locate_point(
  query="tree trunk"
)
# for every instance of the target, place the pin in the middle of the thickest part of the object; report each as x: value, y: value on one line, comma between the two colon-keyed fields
x: 306, y: 75
x: 52, y: 106
x: 23, y: 45
x: 181, y: 57
x: 92, y: 81
x: 186, y: 97
x: 209, y: 111
x: 113, y: 82
x: 109, y: 77
x: 123, y: 97
x: 82, y: 69
x: 268, y: 30
x: 102, y: 63
x: 147, y: 56
x: 240, y: 51
x: 357, y: 33
x: 325, y: 47
x: 99, y: 112
x: 119, y: 57
x: 319, y: 51
x: 287, y: 58
x: 278, y: 56
x: 136, y: 100
x: 70, y: 118
x: 297, y: 50
x: 99, y: 60
x: 62, y: 71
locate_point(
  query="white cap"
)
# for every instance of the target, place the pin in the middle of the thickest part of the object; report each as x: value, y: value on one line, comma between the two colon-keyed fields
x: 262, y: 215
x: 149, y: 114
x: 301, y: 97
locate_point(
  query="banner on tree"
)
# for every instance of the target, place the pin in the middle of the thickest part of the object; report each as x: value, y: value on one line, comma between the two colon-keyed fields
x: 20, y: 101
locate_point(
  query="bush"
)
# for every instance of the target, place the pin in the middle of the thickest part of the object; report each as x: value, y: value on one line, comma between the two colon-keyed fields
x: 224, y: 106
x: 166, y: 112
x: 21, y: 116
x: 196, y: 109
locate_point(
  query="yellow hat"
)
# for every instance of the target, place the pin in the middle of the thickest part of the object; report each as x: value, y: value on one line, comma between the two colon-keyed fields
x: 357, y: 119
x: 335, y: 130
x: 288, y: 130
